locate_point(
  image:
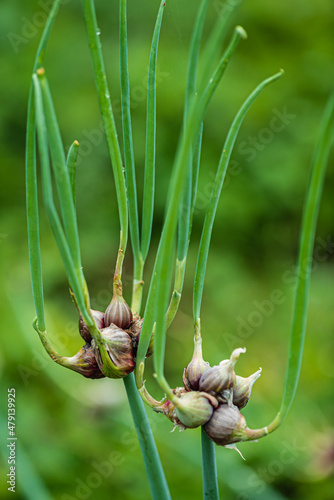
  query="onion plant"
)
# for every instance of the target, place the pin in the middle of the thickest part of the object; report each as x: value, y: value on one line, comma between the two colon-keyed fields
x: 118, y: 341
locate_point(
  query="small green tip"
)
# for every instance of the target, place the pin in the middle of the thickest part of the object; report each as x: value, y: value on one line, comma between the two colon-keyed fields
x: 241, y: 32
x: 279, y: 74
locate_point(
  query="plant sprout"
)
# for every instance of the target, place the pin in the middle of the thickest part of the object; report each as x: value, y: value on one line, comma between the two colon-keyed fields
x: 118, y: 340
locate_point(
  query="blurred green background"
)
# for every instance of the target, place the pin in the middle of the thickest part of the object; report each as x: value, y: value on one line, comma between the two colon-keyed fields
x: 75, y: 436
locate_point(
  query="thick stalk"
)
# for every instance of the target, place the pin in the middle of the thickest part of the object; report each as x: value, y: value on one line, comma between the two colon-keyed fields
x: 137, y: 286
x: 108, y: 121
x: 210, y: 480
x: 150, y: 147
x: 154, y: 470
x: 129, y: 160
x: 31, y: 181
x: 215, y: 194
x: 304, y: 266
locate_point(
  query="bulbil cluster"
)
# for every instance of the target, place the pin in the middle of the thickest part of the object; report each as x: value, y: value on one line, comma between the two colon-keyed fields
x: 212, y: 397
x: 119, y: 335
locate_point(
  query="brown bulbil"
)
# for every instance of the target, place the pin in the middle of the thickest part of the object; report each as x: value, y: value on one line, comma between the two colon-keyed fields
x: 226, y: 426
x: 118, y: 312
x: 84, y: 362
x: 220, y: 380
x: 194, y: 408
x: 168, y: 409
x: 134, y: 331
x: 119, y: 348
x: 83, y: 328
x: 243, y: 389
x: 194, y: 371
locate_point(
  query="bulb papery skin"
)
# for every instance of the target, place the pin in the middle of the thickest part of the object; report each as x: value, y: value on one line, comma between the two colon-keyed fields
x: 134, y: 331
x: 84, y: 362
x: 220, y: 379
x: 243, y: 389
x: 119, y: 347
x: 194, y: 408
x: 226, y: 426
x: 118, y: 312
x: 83, y: 328
x: 193, y: 373
x: 168, y: 409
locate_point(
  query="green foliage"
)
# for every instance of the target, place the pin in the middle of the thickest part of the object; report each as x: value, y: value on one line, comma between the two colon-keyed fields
x: 253, y: 248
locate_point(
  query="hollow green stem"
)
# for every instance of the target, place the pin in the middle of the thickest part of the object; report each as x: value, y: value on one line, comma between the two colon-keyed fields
x: 137, y: 286
x: 33, y: 217
x: 190, y: 189
x: 196, y: 167
x: 176, y: 295
x: 47, y: 344
x: 117, y: 285
x: 304, y: 265
x: 49, y: 203
x: 140, y: 383
x: 78, y: 286
x: 165, y: 252
x: 129, y: 160
x: 39, y: 59
x: 210, y: 479
x: 148, y: 324
x: 62, y: 177
x: 149, y: 172
x: 31, y: 180
x: 216, y: 77
x: 71, y: 163
x: 216, y: 39
x: 157, y: 302
x: 108, y: 118
x: 194, y: 53
x: 149, y: 176
x: 182, y: 250
x: 154, y: 470
x: 215, y: 194
x: 74, y: 273
x: 66, y: 362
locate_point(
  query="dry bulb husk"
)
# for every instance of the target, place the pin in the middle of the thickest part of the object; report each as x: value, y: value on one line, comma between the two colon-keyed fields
x: 134, y: 331
x: 119, y: 348
x: 194, y: 371
x: 226, y: 425
x: 83, y: 328
x: 220, y: 380
x: 84, y: 362
x: 118, y: 312
x: 243, y: 389
x: 195, y: 408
